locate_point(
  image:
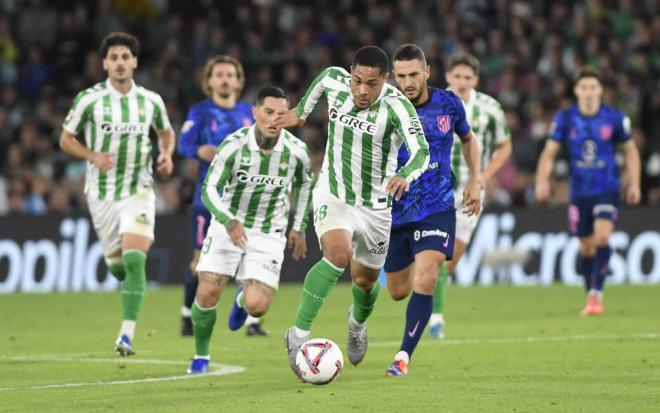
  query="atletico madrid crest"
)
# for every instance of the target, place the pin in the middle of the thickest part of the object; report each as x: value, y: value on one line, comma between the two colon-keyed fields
x: 444, y: 123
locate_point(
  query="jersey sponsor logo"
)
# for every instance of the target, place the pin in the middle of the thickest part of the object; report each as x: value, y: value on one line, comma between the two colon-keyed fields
x: 353, y: 122
x: 379, y: 249
x: 417, y: 235
x: 605, y: 132
x: 107, y: 127
x: 187, y: 125
x: 590, y: 156
x: 415, y: 127
x: 444, y: 123
x: 245, y: 177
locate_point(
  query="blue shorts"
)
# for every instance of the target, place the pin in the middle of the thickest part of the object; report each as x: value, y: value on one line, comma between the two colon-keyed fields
x: 435, y: 232
x: 584, y: 211
x: 199, y: 223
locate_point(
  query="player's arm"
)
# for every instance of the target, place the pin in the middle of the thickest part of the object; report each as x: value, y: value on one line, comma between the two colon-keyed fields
x: 166, y: 144
x: 302, y: 187
x: 219, y: 175
x: 73, y: 124
x: 632, y: 172
x: 408, y: 126
x: 190, y: 143
x: 502, y: 147
x: 544, y: 169
x: 69, y: 144
x: 297, y: 116
x: 471, y: 154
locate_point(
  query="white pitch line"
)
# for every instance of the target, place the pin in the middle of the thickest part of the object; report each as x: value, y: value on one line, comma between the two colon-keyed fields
x: 537, y: 339
x: 217, y: 370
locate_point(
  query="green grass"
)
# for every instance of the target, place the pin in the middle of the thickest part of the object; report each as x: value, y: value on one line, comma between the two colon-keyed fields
x: 508, y: 350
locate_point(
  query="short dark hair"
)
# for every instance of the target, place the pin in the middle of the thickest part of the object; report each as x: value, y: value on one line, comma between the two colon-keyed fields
x: 463, y: 59
x: 371, y: 56
x: 272, y: 92
x: 409, y: 51
x: 120, y: 39
x: 588, y: 71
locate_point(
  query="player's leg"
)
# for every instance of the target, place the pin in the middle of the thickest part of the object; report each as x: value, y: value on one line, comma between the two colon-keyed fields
x: 256, y: 297
x: 200, y: 220
x: 204, y: 313
x: 335, y: 233
x: 432, y: 244
x: 603, y: 229
x: 398, y: 263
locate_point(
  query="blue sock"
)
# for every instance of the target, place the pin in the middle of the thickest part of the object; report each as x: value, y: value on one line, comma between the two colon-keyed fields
x: 601, y: 267
x: 418, y: 313
x: 189, y: 289
x: 586, y: 265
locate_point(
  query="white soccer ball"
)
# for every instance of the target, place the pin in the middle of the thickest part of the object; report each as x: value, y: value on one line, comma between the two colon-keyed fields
x: 319, y: 361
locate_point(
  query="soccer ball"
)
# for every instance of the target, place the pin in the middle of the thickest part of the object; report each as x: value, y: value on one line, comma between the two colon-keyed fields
x: 319, y: 361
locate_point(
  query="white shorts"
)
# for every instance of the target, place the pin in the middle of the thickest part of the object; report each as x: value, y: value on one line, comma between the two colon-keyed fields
x: 259, y: 259
x: 135, y: 214
x: 370, y: 228
x: 465, y: 224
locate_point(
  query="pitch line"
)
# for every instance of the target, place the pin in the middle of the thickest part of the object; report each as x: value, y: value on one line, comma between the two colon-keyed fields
x: 215, y: 370
x: 532, y: 339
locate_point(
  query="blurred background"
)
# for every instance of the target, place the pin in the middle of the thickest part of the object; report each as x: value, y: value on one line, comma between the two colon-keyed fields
x: 529, y: 51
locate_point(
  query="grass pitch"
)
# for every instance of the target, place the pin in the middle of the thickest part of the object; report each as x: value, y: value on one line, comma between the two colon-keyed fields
x: 507, y: 350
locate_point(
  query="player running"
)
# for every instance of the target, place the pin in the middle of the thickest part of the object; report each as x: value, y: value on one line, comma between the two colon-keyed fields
x: 115, y: 117
x: 491, y: 131
x: 247, y: 191
x: 369, y: 120
x: 591, y: 132
x: 207, y: 125
x: 424, y: 219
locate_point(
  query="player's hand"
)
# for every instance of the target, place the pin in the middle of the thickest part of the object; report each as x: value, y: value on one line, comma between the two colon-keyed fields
x: 397, y: 186
x: 287, y: 119
x: 103, y: 160
x: 542, y: 190
x: 236, y: 232
x: 297, y: 242
x: 633, y: 195
x: 207, y: 152
x: 164, y: 165
x: 472, y: 197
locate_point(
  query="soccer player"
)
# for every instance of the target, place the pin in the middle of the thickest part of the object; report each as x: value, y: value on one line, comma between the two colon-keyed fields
x: 115, y: 117
x: 369, y: 119
x: 424, y: 219
x: 489, y: 126
x: 207, y: 124
x: 591, y: 131
x: 256, y: 167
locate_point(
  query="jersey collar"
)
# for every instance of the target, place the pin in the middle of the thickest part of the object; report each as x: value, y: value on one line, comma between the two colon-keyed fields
x: 114, y: 92
x: 252, y: 141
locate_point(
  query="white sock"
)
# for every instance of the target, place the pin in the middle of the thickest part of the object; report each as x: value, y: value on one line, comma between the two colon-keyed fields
x: 595, y: 293
x: 300, y: 333
x: 127, y: 328
x: 251, y: 320
x: 186, y: 312
x: 402, y: 355
x: 437, y: 318
x: 203, y: 357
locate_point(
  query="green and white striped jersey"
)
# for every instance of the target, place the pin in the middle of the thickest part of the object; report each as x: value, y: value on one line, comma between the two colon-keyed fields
x: 119, y: 124
x: 486, y: 118
x: 244, y: 183
x: 363, y: 143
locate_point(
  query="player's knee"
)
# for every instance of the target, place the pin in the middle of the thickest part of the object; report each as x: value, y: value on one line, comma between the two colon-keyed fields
x: 398, y: 292
x: 257, y: 308
x: 601, y: 240
x: 339, y: 257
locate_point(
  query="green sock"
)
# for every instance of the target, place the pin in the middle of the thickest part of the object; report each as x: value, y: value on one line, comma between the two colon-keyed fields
x: 203, y: 320
x: 363, y: 302
x: 117, y: 269
x: 134, y: 285
x: 319, y: 282
x: 440, y: 289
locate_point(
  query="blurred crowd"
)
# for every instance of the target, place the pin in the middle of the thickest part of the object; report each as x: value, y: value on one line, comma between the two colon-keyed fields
x: 529, y: 51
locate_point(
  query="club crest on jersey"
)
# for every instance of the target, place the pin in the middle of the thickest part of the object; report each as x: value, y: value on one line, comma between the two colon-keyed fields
x: 353, y: 122
x: 247, y: 122
x: 605, y: 132
x: 444, y: 123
